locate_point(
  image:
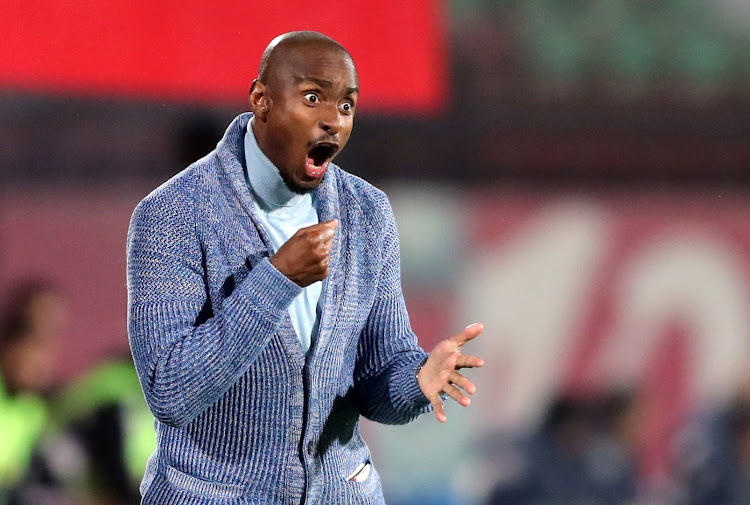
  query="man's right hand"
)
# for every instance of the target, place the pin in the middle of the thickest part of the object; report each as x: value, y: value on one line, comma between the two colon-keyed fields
x: 304, y: 258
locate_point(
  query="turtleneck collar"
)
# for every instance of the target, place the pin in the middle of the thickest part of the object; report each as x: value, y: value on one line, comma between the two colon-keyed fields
x: 264, y: 178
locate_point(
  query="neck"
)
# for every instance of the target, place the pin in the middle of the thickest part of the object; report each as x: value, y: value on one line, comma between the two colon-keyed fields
x: 264, y: 178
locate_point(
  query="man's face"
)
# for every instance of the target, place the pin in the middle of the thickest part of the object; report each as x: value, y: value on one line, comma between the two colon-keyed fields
x: 310, y: 101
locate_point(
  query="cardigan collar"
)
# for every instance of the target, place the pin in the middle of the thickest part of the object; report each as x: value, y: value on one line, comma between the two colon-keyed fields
x: 231, y: 154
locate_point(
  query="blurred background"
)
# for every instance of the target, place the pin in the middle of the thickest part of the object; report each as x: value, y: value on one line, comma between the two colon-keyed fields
x: 575, y: 174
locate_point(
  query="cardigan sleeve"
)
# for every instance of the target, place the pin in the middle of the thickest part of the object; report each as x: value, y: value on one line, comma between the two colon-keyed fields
x: 186, y: 362
x: 388, y: 355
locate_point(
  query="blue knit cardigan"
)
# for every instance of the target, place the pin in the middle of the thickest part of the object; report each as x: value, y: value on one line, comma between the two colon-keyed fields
x: 242, y: 415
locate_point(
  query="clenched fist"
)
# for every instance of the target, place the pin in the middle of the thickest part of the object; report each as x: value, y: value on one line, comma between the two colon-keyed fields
x: 304, y: 257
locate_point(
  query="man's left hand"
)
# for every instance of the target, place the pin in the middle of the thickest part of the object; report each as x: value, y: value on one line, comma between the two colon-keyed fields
x: 440, y: 374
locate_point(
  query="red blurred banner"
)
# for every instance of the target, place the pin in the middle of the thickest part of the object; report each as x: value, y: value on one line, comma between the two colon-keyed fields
x: 206, y: 51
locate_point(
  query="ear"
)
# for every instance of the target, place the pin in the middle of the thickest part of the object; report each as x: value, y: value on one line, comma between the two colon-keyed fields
x: 260, y: 104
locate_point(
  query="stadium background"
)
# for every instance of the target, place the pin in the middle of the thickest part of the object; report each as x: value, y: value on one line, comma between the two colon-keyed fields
x: 572, y: 173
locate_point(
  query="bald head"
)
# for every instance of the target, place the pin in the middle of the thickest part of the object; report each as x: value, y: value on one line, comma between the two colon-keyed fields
x: 284, y: 49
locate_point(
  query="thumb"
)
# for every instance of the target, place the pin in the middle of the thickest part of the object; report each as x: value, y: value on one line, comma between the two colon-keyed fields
x: 332, y: 224
x: 470, y: 332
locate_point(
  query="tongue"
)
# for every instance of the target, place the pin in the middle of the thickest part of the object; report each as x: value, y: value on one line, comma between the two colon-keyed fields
x: 314, y: 171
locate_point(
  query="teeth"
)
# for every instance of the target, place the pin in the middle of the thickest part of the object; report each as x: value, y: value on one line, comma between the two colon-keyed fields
x: 315, y: 171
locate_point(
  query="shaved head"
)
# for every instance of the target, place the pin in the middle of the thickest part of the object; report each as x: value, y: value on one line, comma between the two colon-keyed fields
x: 277, y: 54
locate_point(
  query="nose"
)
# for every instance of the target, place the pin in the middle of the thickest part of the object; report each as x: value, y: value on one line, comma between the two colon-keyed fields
x: 331, y: 120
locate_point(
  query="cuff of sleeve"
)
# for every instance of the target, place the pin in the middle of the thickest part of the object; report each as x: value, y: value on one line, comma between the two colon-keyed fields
x: 272, y: 289
x: 409, y: 386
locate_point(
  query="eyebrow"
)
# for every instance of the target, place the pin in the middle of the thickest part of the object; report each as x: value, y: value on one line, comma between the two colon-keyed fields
x: 325, y: 83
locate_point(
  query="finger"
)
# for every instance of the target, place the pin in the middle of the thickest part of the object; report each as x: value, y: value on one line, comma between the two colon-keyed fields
x: 462, y: 382
x: 437, y: 408
x: 456, y: 394
x: 470, y: 332
x: 465, y: 361
x: 321, y: 231
x: 326, y: 234
x: 327, y: 243
x: 324, y: 247
x: 332, y: 224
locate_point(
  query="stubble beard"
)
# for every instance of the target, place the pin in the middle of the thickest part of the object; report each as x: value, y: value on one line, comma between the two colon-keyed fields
x: 294, y: 187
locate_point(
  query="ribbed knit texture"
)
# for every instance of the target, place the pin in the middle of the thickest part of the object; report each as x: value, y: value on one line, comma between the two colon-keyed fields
x: 242, y: 416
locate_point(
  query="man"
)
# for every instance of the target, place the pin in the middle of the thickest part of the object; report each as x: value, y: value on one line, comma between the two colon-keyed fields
x: 265, y: 306
x: 32, y: 322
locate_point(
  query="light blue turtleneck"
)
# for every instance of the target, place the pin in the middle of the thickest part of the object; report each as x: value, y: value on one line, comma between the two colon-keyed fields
x: 282, y: 212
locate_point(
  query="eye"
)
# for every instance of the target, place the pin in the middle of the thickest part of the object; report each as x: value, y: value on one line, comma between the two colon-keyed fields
x: 312, y: 97
x: 347, y: 107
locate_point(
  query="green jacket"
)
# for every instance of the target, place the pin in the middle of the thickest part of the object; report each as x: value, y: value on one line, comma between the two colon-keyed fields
x: 23, y: 419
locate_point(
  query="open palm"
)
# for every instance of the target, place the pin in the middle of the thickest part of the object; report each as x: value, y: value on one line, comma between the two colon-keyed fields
x: 439, y: 375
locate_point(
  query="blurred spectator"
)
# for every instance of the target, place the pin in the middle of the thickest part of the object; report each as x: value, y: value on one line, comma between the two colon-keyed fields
x: 84, y: 443
x: 584, y: 454
x: 34, y: 317
x: 555, y: 469
x: 613, y: 462
x: 105, y: 416
x: 713, y: 456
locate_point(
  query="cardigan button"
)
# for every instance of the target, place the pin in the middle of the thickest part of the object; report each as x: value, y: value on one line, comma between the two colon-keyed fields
x: 310, y: 447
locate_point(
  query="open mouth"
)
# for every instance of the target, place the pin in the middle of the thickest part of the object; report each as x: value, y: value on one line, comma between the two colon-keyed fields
x: 318, y: 158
